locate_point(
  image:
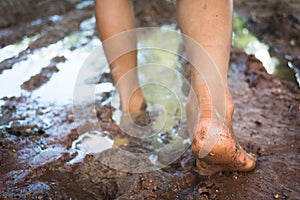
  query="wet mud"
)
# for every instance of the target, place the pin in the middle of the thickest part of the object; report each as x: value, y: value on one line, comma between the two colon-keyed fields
x: 36, y: 138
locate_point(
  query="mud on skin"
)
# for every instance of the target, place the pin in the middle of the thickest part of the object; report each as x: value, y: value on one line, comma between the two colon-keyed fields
x: 35, y: 141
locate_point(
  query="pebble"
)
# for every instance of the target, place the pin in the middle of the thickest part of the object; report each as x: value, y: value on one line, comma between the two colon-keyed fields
x: 278, y: 91
x: 28, y: 130
x: 258, y: 122
x: 203, y: 190
x: 292, y: 42
x: 276, y: 196
x: 261, y: 151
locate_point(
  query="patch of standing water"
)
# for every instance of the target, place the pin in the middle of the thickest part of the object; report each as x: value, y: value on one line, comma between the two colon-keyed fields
x: 55, y: 18
x: 22, y: 71
x: 84, y: 4
x: 161, y: 84
x: 162, y: 67
x: 274, y: 64
x: 59, y: 89
x: 297, y: 71
x: 90, y: 143
x: 61, y: 86
x: 12, y: 50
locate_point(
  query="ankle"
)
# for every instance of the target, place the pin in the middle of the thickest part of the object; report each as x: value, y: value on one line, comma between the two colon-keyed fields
x: 134, y: 103
x: 200, y: 104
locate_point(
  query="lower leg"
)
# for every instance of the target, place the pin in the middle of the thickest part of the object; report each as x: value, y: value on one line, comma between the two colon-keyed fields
x: 114, y: 17
x: 208, y: 22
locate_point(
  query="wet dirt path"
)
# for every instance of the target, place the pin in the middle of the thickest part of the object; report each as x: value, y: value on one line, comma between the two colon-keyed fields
x: 37, y: 127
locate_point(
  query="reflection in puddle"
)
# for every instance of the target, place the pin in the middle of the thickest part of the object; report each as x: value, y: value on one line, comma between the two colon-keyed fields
x: 55, y: 18
x: 273, y: 63
x: 60, y: 87
x: 161, y: 84
x: 46, y: 156
x: 159, y: 66
x: 23, y: 70
x: 87, y: 143
x: 297, y: 71
x: 12, y: 50
x: 84, y: 4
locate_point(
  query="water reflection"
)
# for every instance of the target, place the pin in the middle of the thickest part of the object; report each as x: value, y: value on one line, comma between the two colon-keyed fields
x: 12, y: 50
x: 60, y: 87
x: 161, y: 84
x: 90, y: 142
x: 274, y: 64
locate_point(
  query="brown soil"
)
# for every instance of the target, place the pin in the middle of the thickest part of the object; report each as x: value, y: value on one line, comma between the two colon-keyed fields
x: 36, y: 138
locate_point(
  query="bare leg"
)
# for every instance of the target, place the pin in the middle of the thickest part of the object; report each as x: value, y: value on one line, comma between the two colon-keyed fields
x: 114, y: 17
x: 209, y: 23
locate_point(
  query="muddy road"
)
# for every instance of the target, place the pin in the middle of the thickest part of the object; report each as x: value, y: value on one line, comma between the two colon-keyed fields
x: 42, y: 135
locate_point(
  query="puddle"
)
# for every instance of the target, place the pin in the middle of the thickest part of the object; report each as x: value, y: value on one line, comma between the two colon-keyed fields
x: 161, y: 83
x: 55, y: 18
x: 274, y: 63
x: 12, y: 50
x: 297, y: 71
x: 46, y: 156
x: 84, y: 4
x: 59, y: 89
x: 90, y: 143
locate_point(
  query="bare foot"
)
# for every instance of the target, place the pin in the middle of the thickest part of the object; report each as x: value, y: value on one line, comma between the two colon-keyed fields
x: 214, y: 144
x: 225, y: 154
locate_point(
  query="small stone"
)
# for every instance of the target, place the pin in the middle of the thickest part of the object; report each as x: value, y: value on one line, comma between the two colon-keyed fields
x: 258, y: 123
x: 149, y: 184
x: 276, y: 196
x: 235, y: 177
x: 209, y: 184
x: 253, y: 133
x: 278, y: 91
x: 260, y: 151
x: 38, y: 112
x: 202, y: 190
x: 28, y: 130
x: 292, y: 42
x: 43, y: 147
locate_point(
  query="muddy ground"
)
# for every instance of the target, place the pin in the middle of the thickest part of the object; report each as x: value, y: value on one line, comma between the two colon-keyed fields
x: 36, y: 138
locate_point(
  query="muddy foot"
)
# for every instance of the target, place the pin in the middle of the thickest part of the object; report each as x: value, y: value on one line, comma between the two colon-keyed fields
x: 216, y: 150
